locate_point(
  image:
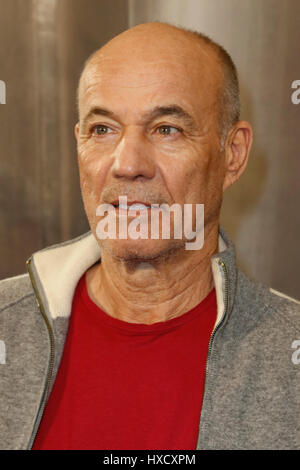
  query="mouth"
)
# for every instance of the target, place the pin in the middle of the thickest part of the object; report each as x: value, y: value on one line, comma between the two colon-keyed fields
x: 132, y: 205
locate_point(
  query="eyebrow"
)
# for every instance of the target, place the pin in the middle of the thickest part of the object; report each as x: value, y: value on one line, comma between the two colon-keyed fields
x: 96, y: 111
x: 171, y: 110
x: 158, y: 111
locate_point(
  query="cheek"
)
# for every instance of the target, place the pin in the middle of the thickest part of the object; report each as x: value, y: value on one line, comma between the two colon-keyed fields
x: 215, y: 172
x: 92, y: 172
x: 187, y: 177
x: 197, y: 178
x: 213, y: 191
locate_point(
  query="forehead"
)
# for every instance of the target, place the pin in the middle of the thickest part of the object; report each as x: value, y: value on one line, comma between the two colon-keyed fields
x: 179, y: 72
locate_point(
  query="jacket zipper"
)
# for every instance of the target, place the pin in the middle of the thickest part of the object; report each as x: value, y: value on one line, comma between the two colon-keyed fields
x: 221, y: 263
x: 51, y: 361
x: 221, y: 323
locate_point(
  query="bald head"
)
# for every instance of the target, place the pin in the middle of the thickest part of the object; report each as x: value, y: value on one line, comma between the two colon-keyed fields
x: 156, y: 42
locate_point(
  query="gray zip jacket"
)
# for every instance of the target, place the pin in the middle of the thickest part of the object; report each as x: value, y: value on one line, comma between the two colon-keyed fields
x: 252, y: 386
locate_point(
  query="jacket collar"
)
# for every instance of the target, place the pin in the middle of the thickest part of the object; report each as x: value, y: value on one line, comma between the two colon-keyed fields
x: 56, y: 270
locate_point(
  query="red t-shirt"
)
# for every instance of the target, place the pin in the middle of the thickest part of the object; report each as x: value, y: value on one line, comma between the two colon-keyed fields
x: 127, y: 385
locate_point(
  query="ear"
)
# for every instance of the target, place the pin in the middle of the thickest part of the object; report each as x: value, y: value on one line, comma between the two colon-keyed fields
x: 76, y: 130
x: 237, y: 150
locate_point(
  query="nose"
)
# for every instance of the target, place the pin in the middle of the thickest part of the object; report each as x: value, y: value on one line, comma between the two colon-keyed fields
x: 133, y: 157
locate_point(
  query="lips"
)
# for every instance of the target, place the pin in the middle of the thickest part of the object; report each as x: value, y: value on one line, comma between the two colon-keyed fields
x: 134, y: 205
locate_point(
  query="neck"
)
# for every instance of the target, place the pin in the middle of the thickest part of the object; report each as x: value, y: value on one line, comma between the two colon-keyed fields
x: 153, y: 291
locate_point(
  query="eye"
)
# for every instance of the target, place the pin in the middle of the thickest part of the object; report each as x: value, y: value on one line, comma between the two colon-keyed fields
x: 168, y: 130
x: 100, y: 129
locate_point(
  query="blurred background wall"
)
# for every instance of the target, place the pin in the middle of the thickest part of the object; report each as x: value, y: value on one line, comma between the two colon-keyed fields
x: 43, y: 44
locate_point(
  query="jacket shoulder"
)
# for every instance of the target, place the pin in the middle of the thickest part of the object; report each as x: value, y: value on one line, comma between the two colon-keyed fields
x: 14, y: 289
x: 285, y: 306
x: 261, y: 296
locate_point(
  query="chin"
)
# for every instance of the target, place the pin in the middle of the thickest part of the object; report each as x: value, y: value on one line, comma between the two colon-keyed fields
x: 143, y: 250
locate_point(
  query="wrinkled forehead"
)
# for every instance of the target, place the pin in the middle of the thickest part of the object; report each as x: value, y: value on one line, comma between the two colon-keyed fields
x: 187, y: 72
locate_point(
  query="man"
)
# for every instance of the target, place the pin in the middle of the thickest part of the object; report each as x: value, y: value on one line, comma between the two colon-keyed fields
x: 140, y: 343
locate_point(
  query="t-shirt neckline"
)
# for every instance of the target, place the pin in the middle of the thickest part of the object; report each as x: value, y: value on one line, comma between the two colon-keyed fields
x: 143, y: 328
